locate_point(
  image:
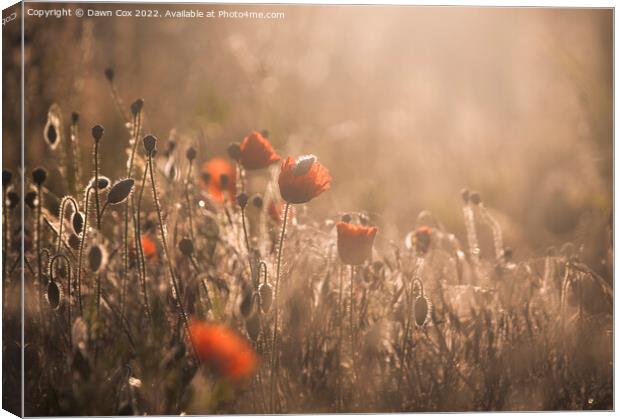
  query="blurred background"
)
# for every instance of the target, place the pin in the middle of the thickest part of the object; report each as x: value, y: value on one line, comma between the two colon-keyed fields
x: 405, y: 105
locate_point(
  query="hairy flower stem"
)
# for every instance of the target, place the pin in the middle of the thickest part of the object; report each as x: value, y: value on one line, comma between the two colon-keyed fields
x: 188, y: 201
x: 175, y: 285
x: 39, y: 263
x: 75, y: 149
x: 81, y: 251
x: 61, y: 218
x: 276, y: 307
x: 472, y: 238
x: 247, y: 239
x: 52, y: 265
x: 138, y: 243
x: 498, y: 241
x: 97, y: 185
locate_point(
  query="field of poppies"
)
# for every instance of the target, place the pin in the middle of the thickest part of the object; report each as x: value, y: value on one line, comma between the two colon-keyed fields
x: 212, y: 272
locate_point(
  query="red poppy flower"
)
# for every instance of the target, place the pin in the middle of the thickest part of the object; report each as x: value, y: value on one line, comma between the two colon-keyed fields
x: 223, y: 350
x: 423, y: 239
x: 303, y: 179
x: 218, y: 177
x: 355, y: 242
x: 148, y: 246
x: 257, y: 152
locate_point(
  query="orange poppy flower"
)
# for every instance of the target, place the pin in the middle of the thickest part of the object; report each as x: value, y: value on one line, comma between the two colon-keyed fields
x: 303, y: 179
x: 148, y: 246
x: 218, y: 177
x: 223, y: 350
x: 423, y: 239
x: 355, y: 242
x: 257, y: 152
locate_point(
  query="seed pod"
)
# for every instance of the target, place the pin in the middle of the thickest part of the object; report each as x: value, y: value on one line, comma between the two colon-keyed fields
x: 257, y: 201
x: 109, y: 74
x: 13, y: 199
x: 6, y: 177
x: 39, y: 175
x: 97, y: 132
x: 303, y: 164
x: 136, y: 107
x: 150, y: 142
x: 191, y: 154
x: 53, y: 295
x: 77, y: 221
x: 103, y: 183
x: 95, y: 258
x: 421, y: 310
x: 475, y: 198
x: 120, y: 191
x: 242, y: 199
x: 31, y: 199
x: 234, y: 151
x: 186, y: 246
x: 252, y: 325
x: 74, y: 241
x: 247, y: 303
x: 266, y: 296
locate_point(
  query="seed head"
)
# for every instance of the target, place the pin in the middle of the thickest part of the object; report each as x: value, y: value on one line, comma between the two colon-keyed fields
x: 53, y: 295
x: 120, y: 191
x: 150, y: 142
x: 97, y: 132
x: 77, y: 221
x: 109, y: 74
x: 191, y: 154
x: 242, y: 200
x: 136, y: 107
x: 30, y: 199
x: 234, y: 151
x: 13, y: 199
x: 39, y: 175
x: 346, y: 218
x: 421, y: 310
x: 186, y: 246
x: 95, y: 258
x: 257, y: 201
x: 266, y: 296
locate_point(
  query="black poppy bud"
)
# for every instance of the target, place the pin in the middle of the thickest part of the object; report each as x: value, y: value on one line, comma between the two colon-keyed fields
x: 465, y: 195
x: 346, y: 218
x: 75, y: 117
x: 109, y: 74
x: 51, y: 134
x: 53, y: 295
x: 97, y: 132
x: 266, y: 296
x: 191, y: 154
x: 13, y: 199
x: 257, y: 201
x: 39, y: 175
x: 120, y: 191
x: 234, y: 151
x: 6, y: 177
x: 150, y: 142
x: 242, y: 199
x: 224, y: 179
x: 247, y: 303
x: 421, y: 310
x: 475, y: 198
x: 77, y: 221
x: 186, y: 246
x: 252, y: 326
x: 136, y: 107
x: 31, y: 199
x: 95, y: 258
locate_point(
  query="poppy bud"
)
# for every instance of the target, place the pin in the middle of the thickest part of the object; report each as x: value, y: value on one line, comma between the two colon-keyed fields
x: 242, y: 200
x: 303, y: 165
x: 252, y: 326
x: 75, y: 117
x: 39, y: 175
x: 120, y: 191
x: 421, y: 310
x: 95, y: 258
x: 150, y: 142
x: 186, y: 246
x: 97, y: 132
x: 74, y: 241
x: 191, y: 154
x: 102, y: 184
x: 77, y: 220
x: 224, y: 180
x: 6, y: 177
x: 136, y: 107
x: 31, y: 199
x: 346, y: 218
x: 234, y: 151
x: 13, y: 199
x: 51, y: 134
x: 247, y: 303
x: 109, y: 74
x: 475, y: 198
x: 507, y: 253
x: 266, y: 296
x: 53, y: 295
x: 257, y: 201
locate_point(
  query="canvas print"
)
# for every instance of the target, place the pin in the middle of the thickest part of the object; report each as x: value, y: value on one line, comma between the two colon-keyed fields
x: 275, y: 209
